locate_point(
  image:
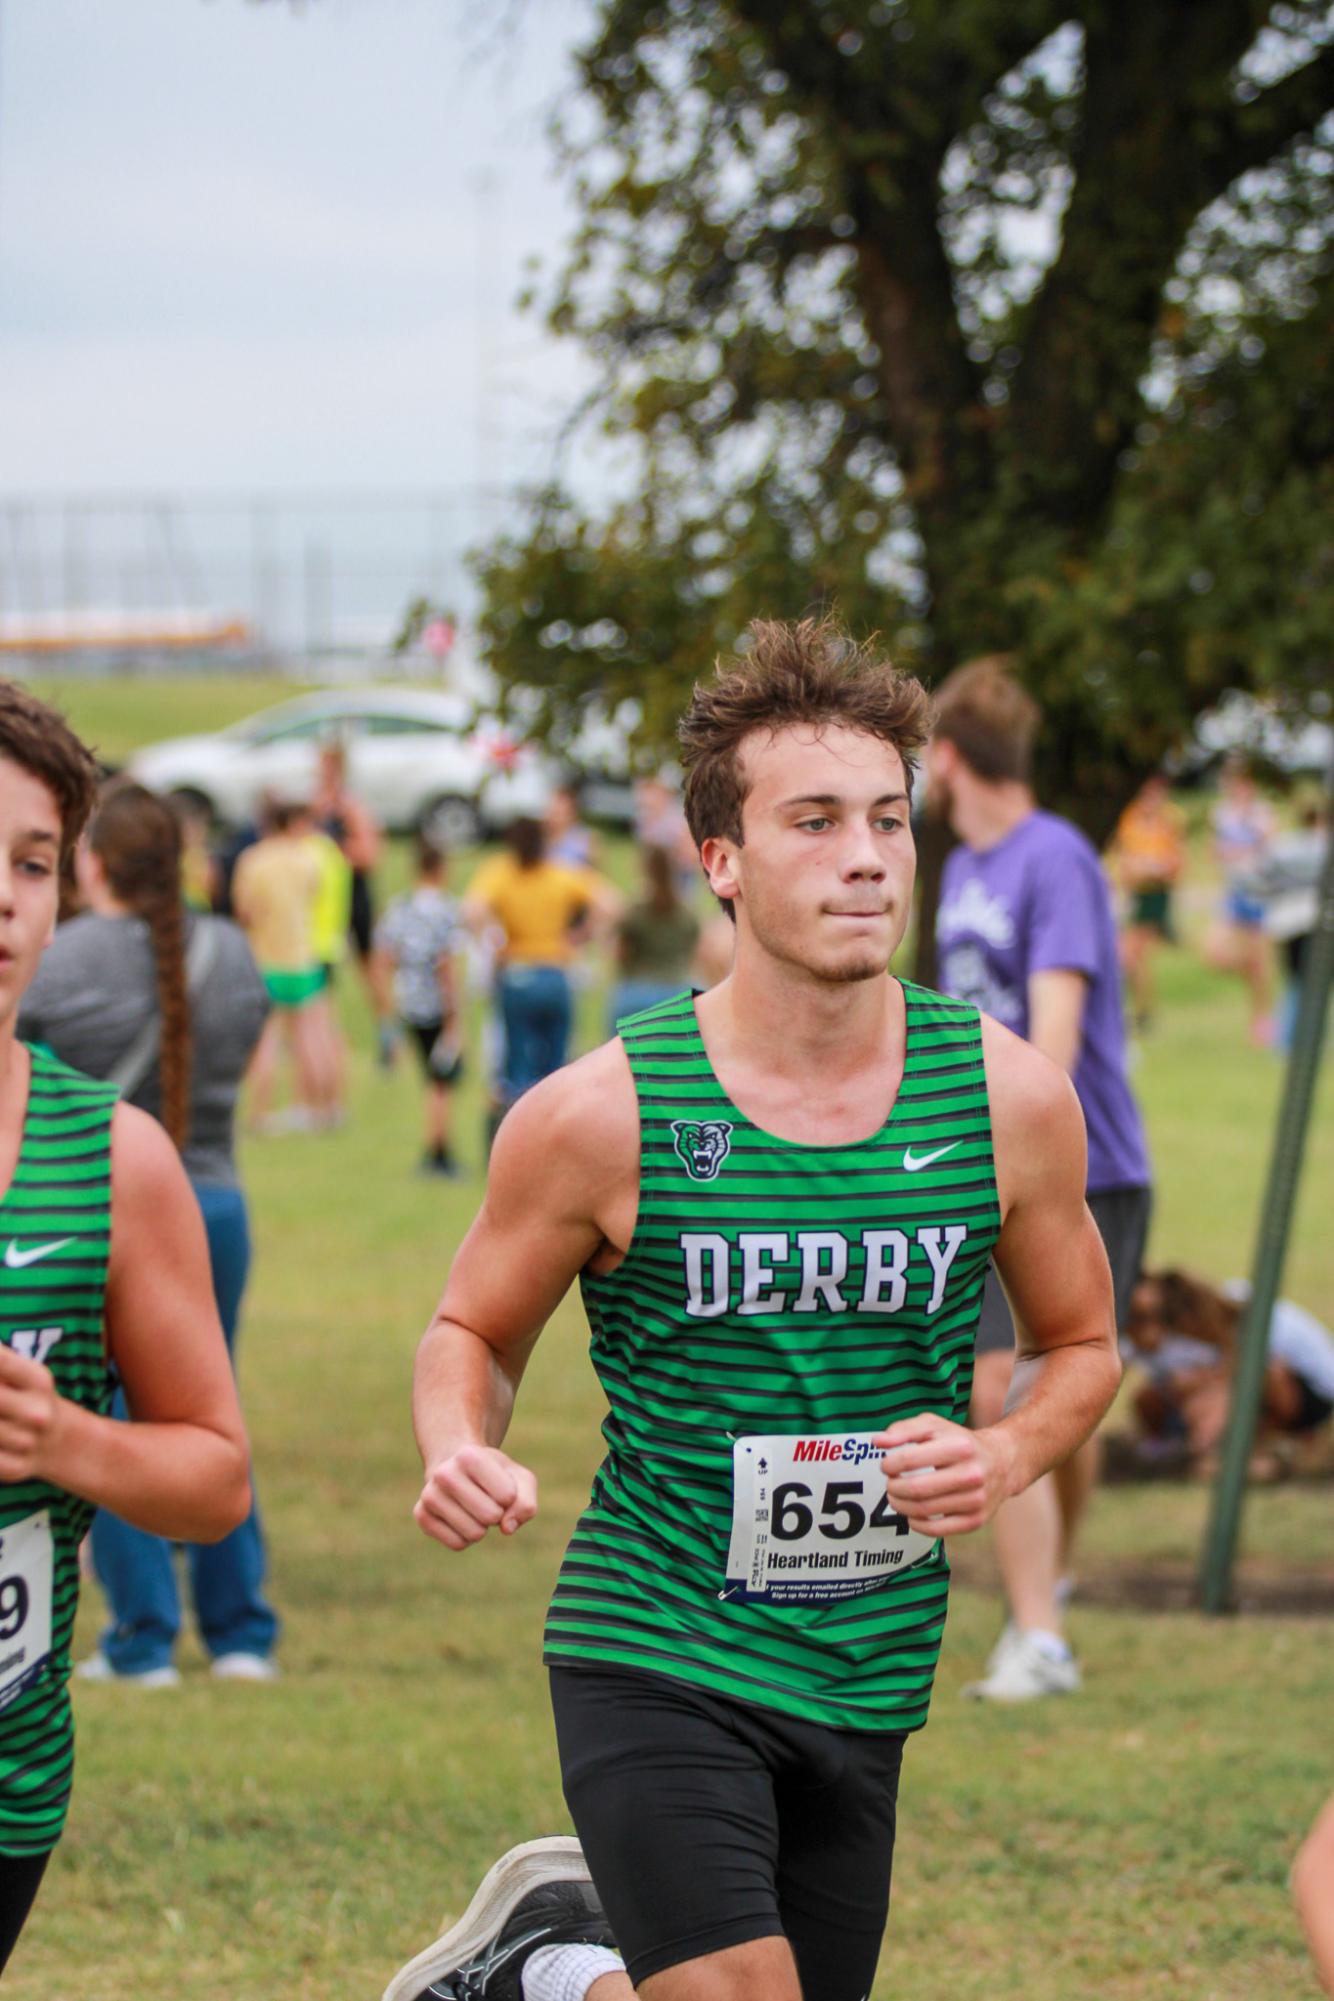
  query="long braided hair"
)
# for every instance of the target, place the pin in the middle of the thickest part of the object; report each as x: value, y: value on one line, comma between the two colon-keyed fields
x: 137, y: 838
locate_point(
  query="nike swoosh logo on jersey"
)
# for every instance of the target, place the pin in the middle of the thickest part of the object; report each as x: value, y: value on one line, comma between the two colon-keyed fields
x: 926, y: 1159
x: 15, y: 1259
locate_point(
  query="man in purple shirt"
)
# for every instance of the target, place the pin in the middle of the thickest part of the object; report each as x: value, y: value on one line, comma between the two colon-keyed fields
x: 1026, y: 930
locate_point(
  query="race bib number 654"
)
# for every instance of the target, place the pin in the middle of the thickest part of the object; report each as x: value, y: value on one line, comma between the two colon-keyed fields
x: 811, y: 1521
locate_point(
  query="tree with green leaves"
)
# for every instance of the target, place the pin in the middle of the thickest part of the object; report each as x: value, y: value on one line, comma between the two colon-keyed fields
x: 1002, y: 325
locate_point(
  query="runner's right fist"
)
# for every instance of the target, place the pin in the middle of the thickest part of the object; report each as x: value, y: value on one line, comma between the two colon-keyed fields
x: 475, y: 1489
x: 30, y: 1414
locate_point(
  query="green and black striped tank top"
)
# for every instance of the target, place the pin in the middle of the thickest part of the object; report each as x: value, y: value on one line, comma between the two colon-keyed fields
x: 55, y: 1236
x: 797, y: 1296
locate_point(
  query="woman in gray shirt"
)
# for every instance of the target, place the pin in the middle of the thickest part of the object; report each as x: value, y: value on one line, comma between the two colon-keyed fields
x: 168, y: 1004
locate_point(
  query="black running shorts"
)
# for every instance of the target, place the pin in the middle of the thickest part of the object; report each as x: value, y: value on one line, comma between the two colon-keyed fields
x: 437, y: 1070
x: 1122, y: 1217
x: 708, y: 1823
x: 20, y: 1879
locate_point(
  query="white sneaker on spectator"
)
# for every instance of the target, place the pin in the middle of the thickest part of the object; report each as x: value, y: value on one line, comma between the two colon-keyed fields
x: 98, y: 1668
x: 1024, y: 1666
x: 245, y: 1667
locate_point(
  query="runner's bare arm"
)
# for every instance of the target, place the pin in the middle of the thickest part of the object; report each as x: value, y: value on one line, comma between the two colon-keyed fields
x: 181, y: 1468
x: 564, y: 1161
x: 1051, y: 1258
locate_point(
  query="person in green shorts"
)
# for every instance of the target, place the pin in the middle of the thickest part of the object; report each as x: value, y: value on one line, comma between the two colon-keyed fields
x: 1148, y: 855
x: 780, y: 1199
x: 103, y: 1266
x: 277, y: 891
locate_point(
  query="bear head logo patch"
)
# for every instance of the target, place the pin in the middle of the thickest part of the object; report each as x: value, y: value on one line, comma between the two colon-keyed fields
x: 703, y: 1147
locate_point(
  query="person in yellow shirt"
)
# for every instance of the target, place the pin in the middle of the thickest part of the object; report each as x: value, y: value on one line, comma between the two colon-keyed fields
x: 1149, y: 854
x: 545, y: 912
x: 275, y: 895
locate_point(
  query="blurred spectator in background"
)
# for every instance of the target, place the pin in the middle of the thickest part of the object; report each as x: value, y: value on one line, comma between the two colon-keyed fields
x: 199, y: 873
x: 1243, y: 828
x: 568, y: 839
x: 538, y: 906
x: 346, y: 820
x: 230, y: 850
x: 276, y: 888
x: 660, y: 822
x: 1288, y: 884
x: 416, y: 985
x: 1026, y: 931
x: 1185, y: 1331
x: 330, y: 922
x: 1148, y: 856
x: 168, y: 1006
x: 656, y: 940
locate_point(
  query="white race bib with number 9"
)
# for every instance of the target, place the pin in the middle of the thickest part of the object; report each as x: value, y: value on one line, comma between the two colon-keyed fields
x: 27, y: 1569
x: 811, y: 1521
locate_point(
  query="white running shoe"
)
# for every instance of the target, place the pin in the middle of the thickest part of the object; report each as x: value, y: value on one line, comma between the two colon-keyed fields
x: 1021, y: 1668
x: 482, y: 1955
x: 1010, y: 1636
x: 245, y: 1667
x: 98, y: 1668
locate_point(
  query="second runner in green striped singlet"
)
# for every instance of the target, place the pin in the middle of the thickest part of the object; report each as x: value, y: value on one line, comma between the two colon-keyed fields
x: 103, y: 1265
x: 55, y: 1234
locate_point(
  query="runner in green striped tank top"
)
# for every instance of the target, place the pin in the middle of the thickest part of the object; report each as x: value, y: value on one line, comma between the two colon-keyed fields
x: 55, y: 1226
x: 102, y: 1264
x: 780, y: 1198
x: 817, y: 1292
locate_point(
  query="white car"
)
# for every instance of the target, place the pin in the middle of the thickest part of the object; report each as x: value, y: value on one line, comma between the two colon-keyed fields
x: 417, y: 758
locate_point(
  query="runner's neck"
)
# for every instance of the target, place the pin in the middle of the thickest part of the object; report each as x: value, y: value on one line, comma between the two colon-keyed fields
x: 843, y: 1050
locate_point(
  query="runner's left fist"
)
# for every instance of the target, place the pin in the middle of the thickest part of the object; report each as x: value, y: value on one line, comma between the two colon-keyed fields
x: 942, y: 1477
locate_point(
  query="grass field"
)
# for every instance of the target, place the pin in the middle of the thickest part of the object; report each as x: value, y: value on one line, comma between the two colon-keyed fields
x: 297, y: 1842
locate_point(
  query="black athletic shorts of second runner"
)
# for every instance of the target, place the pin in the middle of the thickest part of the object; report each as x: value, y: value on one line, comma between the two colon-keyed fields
x: 709, y: 1823
x: 1122, y: 1216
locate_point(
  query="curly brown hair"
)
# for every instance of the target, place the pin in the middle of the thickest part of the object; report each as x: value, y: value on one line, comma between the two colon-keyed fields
x: 808, y: 671
x: 1181, y: 1303
x: 39, y: 740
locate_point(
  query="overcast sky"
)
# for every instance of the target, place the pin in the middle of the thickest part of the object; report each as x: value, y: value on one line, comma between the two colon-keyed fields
x: 246, y: 246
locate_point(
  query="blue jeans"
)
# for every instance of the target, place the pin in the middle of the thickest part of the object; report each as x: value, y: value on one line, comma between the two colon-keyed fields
x: 538, y: 1013
x: 226, y: 1578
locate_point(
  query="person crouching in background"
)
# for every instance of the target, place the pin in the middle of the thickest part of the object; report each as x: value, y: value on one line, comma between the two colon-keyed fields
x: 1184, y: 1330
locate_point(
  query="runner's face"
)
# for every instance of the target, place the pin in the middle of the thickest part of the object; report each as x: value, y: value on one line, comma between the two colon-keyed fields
x: 29, y: 879
x: 824, y: 877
